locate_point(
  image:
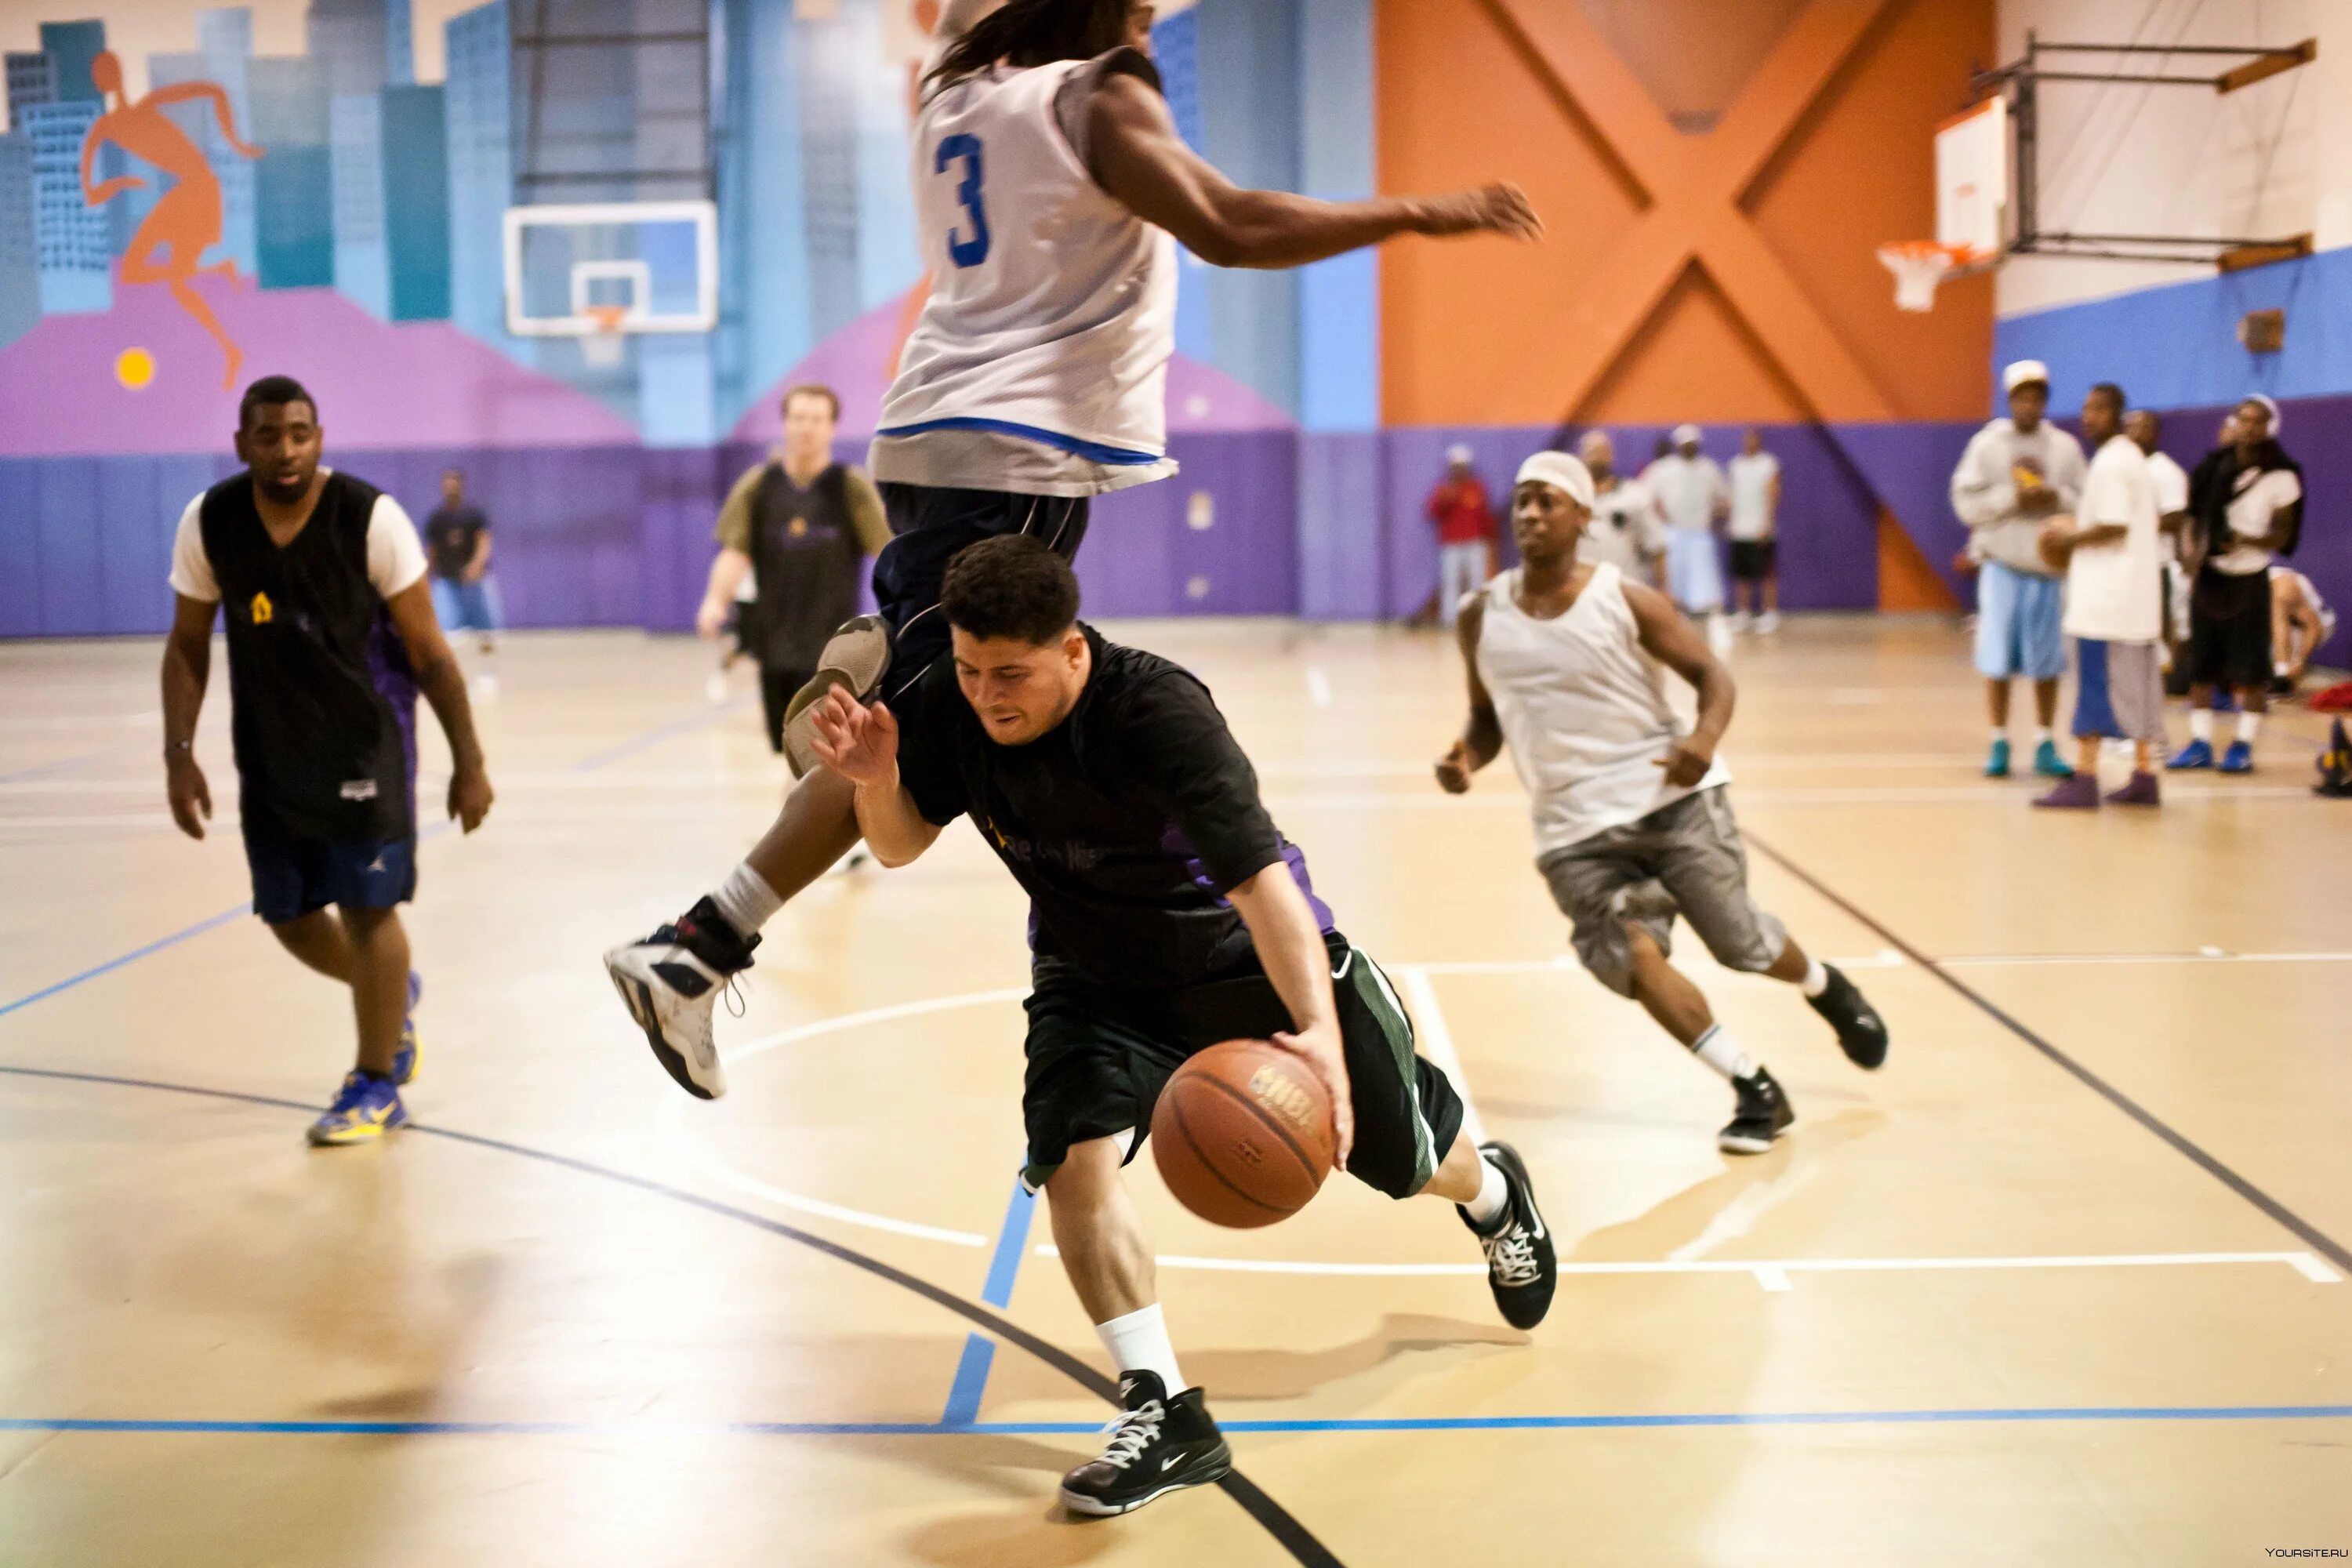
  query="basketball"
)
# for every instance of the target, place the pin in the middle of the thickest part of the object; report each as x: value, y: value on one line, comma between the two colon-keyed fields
x: 1243, y: 1134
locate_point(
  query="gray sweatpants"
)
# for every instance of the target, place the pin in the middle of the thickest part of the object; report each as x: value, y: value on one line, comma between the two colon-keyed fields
x: 1686, y: 858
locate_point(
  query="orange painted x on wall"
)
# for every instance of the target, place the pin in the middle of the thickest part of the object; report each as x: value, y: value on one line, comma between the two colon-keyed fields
x: 1715, y: 176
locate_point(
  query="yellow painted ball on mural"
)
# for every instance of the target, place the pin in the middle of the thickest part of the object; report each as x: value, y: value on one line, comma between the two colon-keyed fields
x: 134, y: 368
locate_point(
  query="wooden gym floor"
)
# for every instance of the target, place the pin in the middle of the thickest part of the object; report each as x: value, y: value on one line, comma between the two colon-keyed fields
x: 2065, y: 1283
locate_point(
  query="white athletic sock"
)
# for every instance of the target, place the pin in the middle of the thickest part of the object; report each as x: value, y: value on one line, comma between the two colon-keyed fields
x: 747, y: 901
x: 2045, y: 736
x: 2250, y: 725
x: 1494, y: 1191
x: 2200, y: 724
x: 1718, y: 1050
x: 1139, y: 1342
x: 1999, y: 734
x: 1817, y: 977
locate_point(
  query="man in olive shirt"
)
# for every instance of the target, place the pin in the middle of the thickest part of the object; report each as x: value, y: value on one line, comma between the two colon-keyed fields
x: 803, y: 527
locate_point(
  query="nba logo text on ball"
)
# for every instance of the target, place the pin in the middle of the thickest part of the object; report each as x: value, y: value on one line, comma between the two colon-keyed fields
x: 1274, y: 1090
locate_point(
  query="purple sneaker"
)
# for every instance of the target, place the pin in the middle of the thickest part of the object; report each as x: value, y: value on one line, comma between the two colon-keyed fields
x: 2140, y: 790
x: 2079, y: 792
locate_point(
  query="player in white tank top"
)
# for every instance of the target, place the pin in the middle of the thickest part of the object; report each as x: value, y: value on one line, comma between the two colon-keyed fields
x: 1632, y: 822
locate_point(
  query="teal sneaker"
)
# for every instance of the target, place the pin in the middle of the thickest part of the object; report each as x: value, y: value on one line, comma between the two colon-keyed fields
x: 1997, y: 765
x: 403, y: 1060
x: 366, y: 1108
x: 2048, y: 764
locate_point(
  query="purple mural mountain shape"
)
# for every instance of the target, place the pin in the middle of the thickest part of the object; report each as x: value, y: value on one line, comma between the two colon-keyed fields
x: 855, y: 361
x: 379, y: 385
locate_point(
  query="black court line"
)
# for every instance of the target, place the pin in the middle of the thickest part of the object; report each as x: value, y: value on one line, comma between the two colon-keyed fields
x: 2318, y: 1240
x: 1270, y: 1515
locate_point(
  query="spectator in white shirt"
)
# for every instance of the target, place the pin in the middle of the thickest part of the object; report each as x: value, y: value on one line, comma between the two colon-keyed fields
x: 2171, y: 483
x: 1755, y: 479
x: 1623, y: 530
x: 2113, y: 609
x: 2017, y: 473
x: 1691, y: 495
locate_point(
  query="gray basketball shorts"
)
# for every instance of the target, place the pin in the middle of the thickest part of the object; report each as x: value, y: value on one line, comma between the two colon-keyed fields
x: 1682, y: 859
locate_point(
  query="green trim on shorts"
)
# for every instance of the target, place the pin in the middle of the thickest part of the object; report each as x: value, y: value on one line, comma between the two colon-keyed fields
x: 1396, y: 1027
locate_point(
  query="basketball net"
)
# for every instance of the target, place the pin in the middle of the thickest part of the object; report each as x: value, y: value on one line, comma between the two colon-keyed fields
x: 601, y: 349
x: 1919, y: 264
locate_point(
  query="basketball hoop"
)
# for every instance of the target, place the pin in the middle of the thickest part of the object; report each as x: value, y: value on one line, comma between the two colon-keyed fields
x: 601, y: 349
x: 1919, y: 264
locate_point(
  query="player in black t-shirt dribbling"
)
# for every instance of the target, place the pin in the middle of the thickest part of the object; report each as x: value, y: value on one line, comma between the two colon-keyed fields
x: 1169, y: 914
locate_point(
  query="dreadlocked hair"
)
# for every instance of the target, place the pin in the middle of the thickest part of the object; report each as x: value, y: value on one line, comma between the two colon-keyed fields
x: 1025, y: 32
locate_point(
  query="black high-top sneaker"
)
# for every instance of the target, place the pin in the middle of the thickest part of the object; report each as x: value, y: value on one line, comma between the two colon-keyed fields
x: 1520, y: 1266
x: 1861, y: 1032
x: 671, y: 981
x: 1160, y: 1443
x: 1764, y: 1114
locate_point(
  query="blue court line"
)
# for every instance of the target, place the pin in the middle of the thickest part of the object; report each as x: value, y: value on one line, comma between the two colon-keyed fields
x: 626, y: 748
x: 1074, y: 1428
x: 61, y: 764
x: 978, y: 1350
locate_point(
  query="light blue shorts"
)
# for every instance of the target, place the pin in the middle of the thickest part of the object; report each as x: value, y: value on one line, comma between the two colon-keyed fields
x: 2020, y: 618
x: 468, y: 607
x: 1693, y: 570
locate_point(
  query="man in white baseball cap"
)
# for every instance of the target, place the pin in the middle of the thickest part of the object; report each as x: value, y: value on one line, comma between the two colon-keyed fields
x: 1691, y: 496
x: 1464, y: 520
x: 2016, y: 475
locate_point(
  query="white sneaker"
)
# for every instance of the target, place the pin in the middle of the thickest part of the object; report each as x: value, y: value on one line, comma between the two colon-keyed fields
x: 486, y: 687
x: 1767, y: 622
x: 1739, y: 621
x: 714, y: 690
x: 671, y: 983
x: 1718, y: 636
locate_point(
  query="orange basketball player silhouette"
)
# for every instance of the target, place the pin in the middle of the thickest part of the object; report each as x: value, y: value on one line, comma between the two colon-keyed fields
x: 186, y: 221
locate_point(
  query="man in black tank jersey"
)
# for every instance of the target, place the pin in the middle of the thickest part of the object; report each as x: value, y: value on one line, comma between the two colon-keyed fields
x: 801, y: 527
x: 330, y: 635
x: 949, y: 482
x: 1168, y: 913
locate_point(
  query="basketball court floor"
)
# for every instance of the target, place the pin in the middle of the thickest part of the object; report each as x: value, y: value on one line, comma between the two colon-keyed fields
x: 2065, y: 1283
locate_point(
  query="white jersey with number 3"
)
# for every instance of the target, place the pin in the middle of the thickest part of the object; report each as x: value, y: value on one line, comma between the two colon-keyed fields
x: 1053, y: 307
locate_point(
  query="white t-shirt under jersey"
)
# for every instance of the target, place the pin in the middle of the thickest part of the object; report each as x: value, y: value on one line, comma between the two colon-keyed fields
x: 1752, y: 477
x: 396, y: 558
x: 1040, y: 364
x: 1583, y: 709
x: 2114, y: 592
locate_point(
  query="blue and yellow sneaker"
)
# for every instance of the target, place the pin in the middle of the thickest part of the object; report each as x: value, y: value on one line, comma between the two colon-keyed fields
x: 366, y: 1107
x: 1997, y: 765
x: 2048, y: 764
x: 403, y: 1060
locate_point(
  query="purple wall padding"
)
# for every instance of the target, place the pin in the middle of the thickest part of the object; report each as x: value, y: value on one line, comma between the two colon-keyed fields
x: 1910, y: 468
x: 1342, y: 508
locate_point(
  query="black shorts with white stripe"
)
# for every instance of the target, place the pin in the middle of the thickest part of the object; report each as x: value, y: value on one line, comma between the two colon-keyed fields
x: 929, y: 527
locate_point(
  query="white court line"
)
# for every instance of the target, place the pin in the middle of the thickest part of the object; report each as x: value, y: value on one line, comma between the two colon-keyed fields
x: 1889, y: 958
x: 1437, y: 1042
x: 1318, y: 686
x: 1508, y: 798
x: 1766, y: 1270
x: 1770, y: 1274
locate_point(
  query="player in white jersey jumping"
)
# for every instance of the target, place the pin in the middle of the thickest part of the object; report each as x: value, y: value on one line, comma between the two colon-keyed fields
x: 1632, y: 818
x: 1052, y: 188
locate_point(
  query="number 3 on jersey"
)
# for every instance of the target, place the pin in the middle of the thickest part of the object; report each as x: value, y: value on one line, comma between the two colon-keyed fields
x: 960, y: 148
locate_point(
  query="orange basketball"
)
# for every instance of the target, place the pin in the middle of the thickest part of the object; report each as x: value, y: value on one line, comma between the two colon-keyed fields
x: 1242, y: 1133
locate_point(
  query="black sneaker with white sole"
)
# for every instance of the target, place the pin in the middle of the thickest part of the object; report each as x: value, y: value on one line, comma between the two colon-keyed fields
x: 1861, y: 1032
x: 1763, y: 1115
x: 671, y: 981
x: 856, y: 658
x: 1520, y: 1266
x: 1160, y: 1443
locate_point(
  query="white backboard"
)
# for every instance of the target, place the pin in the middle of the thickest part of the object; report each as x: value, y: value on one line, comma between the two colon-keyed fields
x: 657, y: 262
x: 1972, y: 157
